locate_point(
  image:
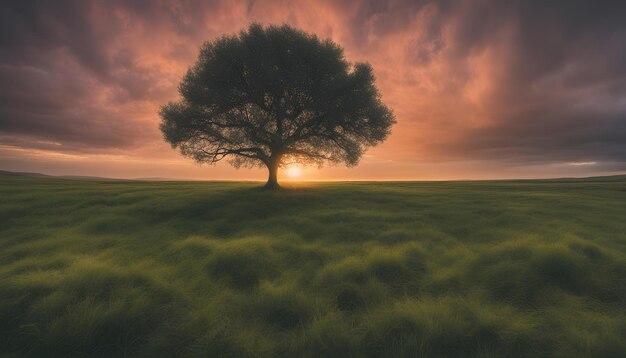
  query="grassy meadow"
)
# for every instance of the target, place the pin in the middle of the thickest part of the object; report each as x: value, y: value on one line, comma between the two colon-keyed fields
x: 223, y: 269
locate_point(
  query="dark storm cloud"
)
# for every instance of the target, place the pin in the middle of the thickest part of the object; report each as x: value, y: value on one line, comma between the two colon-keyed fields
x: 560, y: 94
x: 70, y: 73
x: 514, y: 81
x: 31, y: 28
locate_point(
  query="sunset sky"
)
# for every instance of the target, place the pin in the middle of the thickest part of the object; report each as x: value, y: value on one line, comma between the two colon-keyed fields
x: 480, y: 89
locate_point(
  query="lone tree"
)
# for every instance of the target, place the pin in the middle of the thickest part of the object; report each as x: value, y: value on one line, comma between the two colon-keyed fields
x: 275, y: 95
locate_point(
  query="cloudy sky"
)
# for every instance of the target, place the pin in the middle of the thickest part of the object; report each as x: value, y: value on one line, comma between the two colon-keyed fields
x: 480, y: 89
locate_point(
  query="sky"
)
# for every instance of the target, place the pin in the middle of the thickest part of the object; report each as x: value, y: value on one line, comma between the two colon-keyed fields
x: 480, y: 89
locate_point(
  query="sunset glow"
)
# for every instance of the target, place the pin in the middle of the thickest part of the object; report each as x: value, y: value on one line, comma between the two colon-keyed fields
x: 293, y: 172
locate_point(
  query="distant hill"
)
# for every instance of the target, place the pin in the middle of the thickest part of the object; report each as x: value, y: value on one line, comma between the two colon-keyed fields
x: 6, y: 172
x: 78, y: 177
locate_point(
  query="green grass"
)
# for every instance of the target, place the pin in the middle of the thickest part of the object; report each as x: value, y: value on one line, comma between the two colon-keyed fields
x: 449, y: 269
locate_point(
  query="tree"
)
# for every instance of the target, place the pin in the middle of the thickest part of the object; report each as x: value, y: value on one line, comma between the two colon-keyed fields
x: 273, y: 95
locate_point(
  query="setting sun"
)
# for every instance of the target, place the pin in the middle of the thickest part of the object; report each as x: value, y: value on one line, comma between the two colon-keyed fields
x: 294, y: 172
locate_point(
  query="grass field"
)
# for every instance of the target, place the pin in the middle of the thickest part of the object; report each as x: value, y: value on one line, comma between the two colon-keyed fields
x: 442, y: 269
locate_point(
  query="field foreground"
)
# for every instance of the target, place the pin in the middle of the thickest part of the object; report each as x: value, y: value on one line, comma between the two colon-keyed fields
x: 493, y: 268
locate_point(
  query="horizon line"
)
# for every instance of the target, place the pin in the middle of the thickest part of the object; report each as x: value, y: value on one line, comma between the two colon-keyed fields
x: 154, y: 179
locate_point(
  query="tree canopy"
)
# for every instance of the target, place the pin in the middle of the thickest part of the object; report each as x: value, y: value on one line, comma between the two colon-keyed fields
x: 273, y: 95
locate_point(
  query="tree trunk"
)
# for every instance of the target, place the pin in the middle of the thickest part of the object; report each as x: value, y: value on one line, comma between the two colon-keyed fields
x: 272, y: 180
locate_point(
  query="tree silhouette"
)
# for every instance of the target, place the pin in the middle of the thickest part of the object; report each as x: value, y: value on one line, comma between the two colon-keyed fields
x: 273, y: 95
